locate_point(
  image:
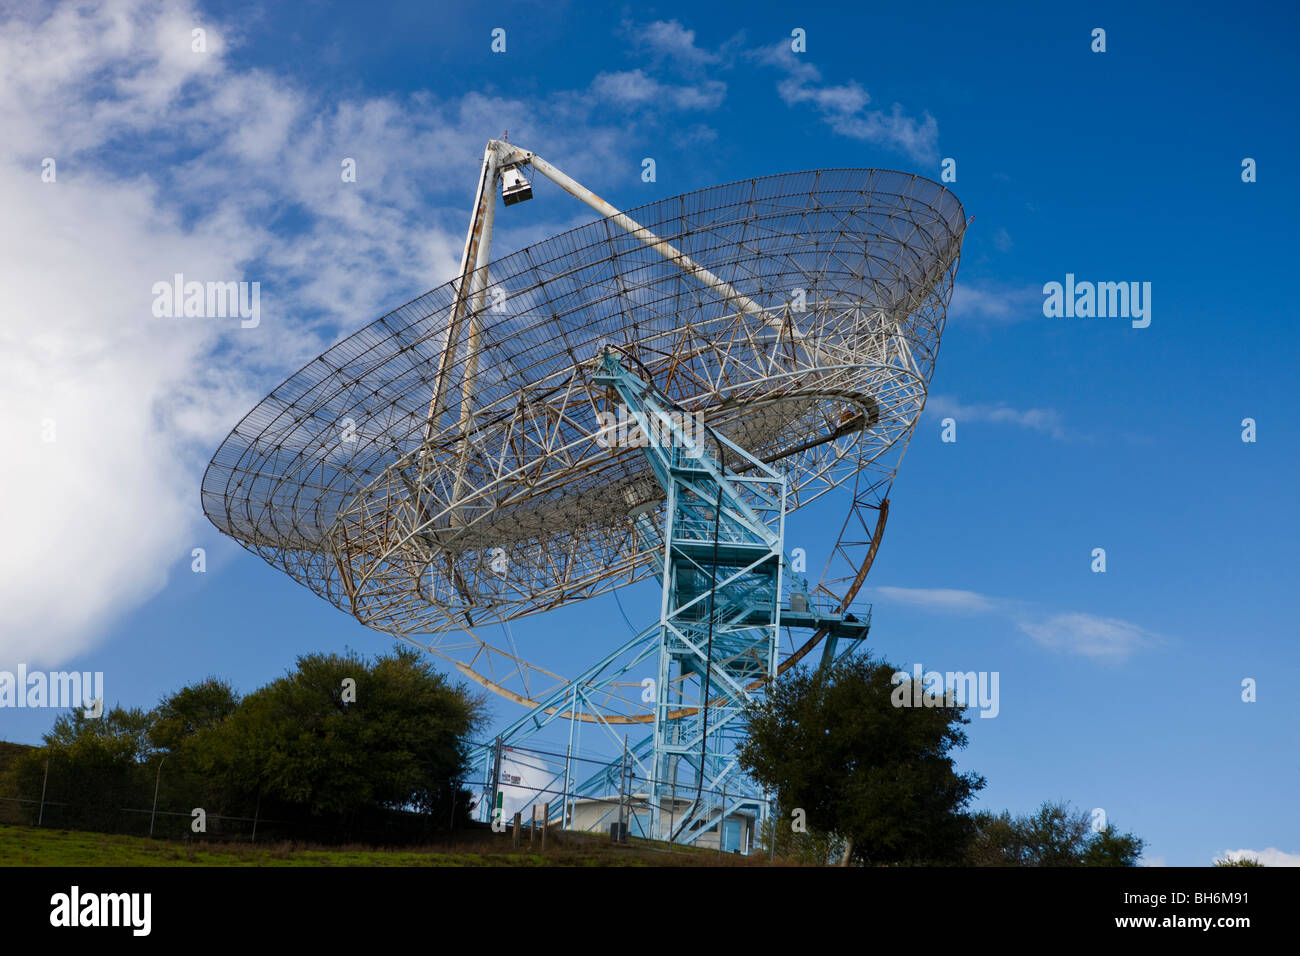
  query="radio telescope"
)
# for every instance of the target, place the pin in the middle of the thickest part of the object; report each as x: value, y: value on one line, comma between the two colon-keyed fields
x: 647, y: 395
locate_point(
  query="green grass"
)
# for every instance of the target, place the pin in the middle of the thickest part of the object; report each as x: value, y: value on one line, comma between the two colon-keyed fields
x: 30, y: 846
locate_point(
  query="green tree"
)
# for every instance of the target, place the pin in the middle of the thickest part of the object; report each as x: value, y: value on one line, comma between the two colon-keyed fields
x: 806, y: 845
x: 96, y: 766
x: 1238, y: 861
x: 303, y: 750
x: 833, y: 743
x: 998, y: 840
x: 1054, y: 835
x: 1108, y: 847
x: 180, y: 717
x: 302, y: 746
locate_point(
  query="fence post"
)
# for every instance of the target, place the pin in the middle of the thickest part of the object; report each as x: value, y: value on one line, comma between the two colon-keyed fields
x: 546, y: 822
x: 257, y: 812
x: 157, y: 780
x: 722, y: 821
x: 773, y: 811
x: 564, y: 807
x: 41, y: 819
x: 496, y: 781
x: 623, y: 771
x: 518, y: 824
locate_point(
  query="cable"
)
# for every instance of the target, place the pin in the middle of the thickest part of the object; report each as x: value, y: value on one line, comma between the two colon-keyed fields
x: 624, y: 613
x: 708, y: 653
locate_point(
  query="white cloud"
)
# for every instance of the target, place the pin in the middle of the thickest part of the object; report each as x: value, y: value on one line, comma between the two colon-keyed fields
x: 844, y: 107
x: 938, y: 599
x: 174, y: 161
x: 1045, y: 420
x: 668, y: 38
x: 1104, y: 638
x: 636, y: 88
x: 1270, y: 857
x: 994, y: 305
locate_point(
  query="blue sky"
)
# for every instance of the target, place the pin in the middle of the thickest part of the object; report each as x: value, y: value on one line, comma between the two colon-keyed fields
x: 1119, y: 690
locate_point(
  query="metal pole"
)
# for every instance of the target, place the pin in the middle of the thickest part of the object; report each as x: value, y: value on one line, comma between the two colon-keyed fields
x: 157, y: 780
x: 485, y: 197
x: 622, y: 789
x: 568, y: 760
x: 564, y: 807
x: 496, y: 784
x: 722, y: 820
x: 41, y: 817
x: 772, y: 813
x: 477, y: 296
x: 576, y: 730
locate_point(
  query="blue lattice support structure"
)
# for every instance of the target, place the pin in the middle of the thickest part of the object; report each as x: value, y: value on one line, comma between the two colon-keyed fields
x: 724, y: 600
x: 721, y: 609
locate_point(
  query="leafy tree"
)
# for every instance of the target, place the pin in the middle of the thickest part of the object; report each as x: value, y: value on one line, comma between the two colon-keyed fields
x: 181, y: 716
x: 1110, y: 848
x: 998, y: 840
x: 96, y: 766
x: 880, y: 776
x: 1054, y: 835
x: 1238, y: 861
x: 298, y: 750
x: 806, y: 845
x: 299, y: 746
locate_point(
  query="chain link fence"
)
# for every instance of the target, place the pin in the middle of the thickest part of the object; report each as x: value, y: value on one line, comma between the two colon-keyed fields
x: 146, y: 801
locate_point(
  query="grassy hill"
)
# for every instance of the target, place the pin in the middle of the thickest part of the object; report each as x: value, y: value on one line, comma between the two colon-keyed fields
x: 29, y: 846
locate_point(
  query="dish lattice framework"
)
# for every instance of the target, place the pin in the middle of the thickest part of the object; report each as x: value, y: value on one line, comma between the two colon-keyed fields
x: 403, y: 510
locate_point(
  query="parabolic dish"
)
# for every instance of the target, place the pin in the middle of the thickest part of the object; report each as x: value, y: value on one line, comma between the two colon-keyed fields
x: 511, y: 500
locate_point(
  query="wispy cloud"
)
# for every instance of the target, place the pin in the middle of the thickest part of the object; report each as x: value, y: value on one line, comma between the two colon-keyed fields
x: 668, y: 39
x: 987, y: 304
x: 1045, y: 420
x: 844, y: 107
x: 1090, y: 636
x: 635, y: 88
x: 938, y: 599
x: 1087, y: 635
